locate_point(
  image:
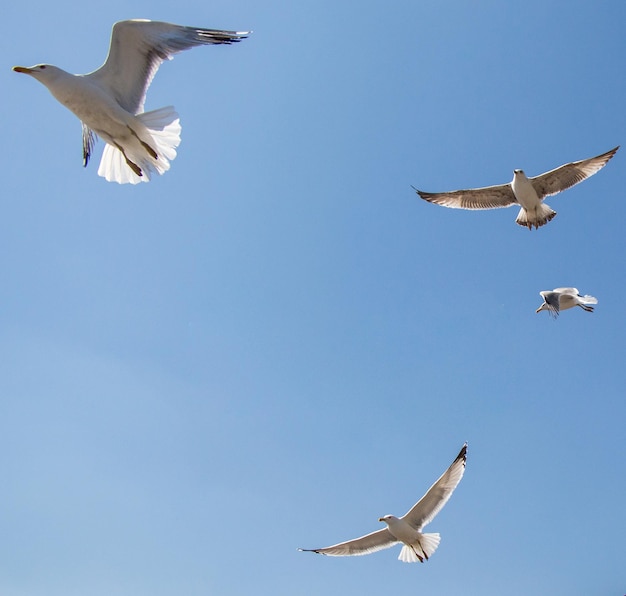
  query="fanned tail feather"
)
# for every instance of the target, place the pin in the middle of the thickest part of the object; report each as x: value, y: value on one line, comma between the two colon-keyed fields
x: 163, y: 128
x: 420, y: 550
x: 586, y: 299
x: 538, y: 217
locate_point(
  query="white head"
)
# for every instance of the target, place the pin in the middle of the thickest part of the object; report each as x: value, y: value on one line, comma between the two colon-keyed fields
x: 41, y: 72
x: 518, y: 173
x: 388, y: 519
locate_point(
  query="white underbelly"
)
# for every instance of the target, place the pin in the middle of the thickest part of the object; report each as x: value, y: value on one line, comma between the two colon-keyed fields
x: 98, y: 111
x: 525, y: 194
x: 403, y: 532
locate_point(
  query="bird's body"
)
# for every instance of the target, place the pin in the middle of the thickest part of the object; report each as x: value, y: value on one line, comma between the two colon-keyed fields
x: 533, y: 211
x: 99, y: 111
x: 96, y: 109
x: 528, y: 193
x: 560, y: 299
x: 109, y: 101
x: 417, y: 545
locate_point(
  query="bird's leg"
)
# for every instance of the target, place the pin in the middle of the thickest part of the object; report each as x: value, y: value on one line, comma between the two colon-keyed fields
x: 133, y: 166
x: 418, y: 555
x: 147, y: 147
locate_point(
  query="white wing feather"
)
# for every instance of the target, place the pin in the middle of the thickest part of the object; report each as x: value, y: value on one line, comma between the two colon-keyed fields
x: 137, y: 49
x: 370, y: 543
x: 425, y: 510
x: 572, y: 291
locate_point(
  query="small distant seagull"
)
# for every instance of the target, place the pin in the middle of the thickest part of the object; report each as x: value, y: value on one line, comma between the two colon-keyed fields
x: 563, y: 298
x: 407, y: 529
x: 526, y: 192
x: 109, y: 101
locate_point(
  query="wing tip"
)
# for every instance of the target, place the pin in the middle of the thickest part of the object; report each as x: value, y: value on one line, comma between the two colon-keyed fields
x: 427, y: 196
x: 311, y: 550
x: 608, y: 155
x: 462, y: 454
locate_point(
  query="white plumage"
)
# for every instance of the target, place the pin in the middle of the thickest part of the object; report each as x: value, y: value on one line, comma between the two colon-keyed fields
x: 109, y: 101
x: 417, y: 546
x: 560, y: 299
x: 528, y: 193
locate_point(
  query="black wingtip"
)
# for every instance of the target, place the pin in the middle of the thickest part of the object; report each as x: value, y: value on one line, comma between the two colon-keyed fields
x: 427, y: 196
x: 310, y: 550
x: 421, y: 193
x: 462, y: 454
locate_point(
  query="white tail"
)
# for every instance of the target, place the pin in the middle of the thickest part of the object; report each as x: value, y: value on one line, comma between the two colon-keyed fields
x: 537, y: 217
x: 422, y: 549
x: 162, y: 127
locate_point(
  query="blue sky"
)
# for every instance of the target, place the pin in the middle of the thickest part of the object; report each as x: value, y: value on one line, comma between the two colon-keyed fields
x: 277, y: 342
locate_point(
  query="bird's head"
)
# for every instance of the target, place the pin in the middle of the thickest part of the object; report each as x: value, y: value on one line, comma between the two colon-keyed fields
x: 387, y: 519
x: 518, y: 172
x: 42, y: 72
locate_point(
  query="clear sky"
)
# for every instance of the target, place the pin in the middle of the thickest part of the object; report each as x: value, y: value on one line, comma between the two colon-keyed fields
x: 277, y: 342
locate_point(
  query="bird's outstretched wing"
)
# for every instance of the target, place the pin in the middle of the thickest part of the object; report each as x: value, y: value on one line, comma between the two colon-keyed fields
x: 425, y: 510
x: 490, y: 197
x: 137, y: 49
x: 365, y: 545
x: 570, y: 174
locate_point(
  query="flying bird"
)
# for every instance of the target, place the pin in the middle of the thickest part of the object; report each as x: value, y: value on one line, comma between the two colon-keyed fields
x: 418, y: 546
x: 529, y: 193
x: 110, y: 101
x: 563, y: 298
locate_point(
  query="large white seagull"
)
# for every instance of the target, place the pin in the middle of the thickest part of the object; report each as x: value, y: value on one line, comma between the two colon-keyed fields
x: 417, y: 546
x: 109, y: 101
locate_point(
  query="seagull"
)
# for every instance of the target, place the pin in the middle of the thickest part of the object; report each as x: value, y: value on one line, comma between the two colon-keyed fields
x: 564, y: 298
x: 109, y: 101
x: 407, y: 529
x: 526, y: 192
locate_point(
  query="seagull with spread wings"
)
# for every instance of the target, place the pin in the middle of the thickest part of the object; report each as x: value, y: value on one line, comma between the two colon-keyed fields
x: 418, y: 546
x: 528, y: 193
x: 560, y: 299
x: 109, y: 101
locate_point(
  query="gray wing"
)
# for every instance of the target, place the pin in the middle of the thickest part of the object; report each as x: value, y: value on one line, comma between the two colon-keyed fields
x: 490, y: 197
x: 570, y: 174
x: 425, y: 510
x: 89, y: 140
x: 365, y: 545
x: 552, y: 299
x: 137, y: 49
